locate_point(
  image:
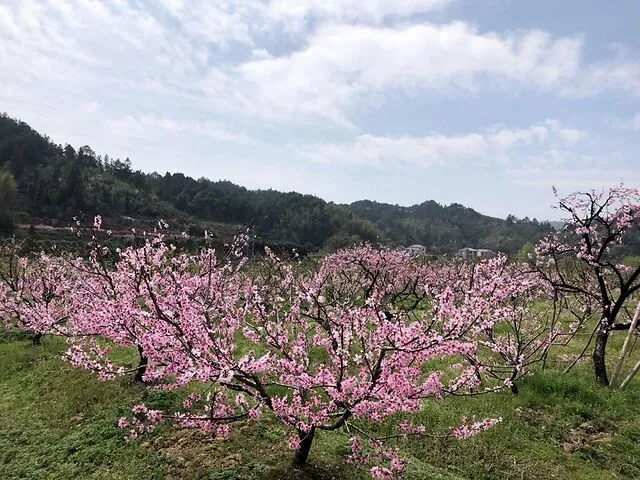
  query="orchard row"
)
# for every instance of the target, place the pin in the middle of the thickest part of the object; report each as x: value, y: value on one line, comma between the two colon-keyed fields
x: 362, y: 336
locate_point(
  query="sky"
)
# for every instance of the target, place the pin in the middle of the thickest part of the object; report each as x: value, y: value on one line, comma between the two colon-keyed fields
x: 487, y: 103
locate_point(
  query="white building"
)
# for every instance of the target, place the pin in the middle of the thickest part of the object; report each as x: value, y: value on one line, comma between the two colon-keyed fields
x: 416, y: 249
x: 468, y: 253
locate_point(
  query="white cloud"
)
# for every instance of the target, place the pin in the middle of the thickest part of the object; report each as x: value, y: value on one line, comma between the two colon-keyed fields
x: 504, y: 139
x: 433, y: 150
x: 76, y: 41
x: 261, y: 53
x: 295, y: 13
x: 341, y: 64
x: 632, y: 123
x: 571, y: 178
x: 572, y: 136
x: 151, y: 126
x: 621, y: 73
x: 248, y: 21
x: 496, y: 145
x: 90, y: 107
x: 339, y: 54
x: 635, y: 122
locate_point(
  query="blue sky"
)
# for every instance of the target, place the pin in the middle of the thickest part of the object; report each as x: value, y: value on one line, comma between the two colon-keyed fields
x: 487, y: 103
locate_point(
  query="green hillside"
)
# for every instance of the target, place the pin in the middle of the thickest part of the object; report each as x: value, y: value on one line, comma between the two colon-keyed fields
x: 56, y: 183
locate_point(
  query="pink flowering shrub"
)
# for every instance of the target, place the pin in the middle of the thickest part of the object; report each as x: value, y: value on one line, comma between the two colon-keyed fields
x: 346, y: 344
x: 145, y: 300
x: 517, y: 320
x: 35, y: 292
x: 468, y: 430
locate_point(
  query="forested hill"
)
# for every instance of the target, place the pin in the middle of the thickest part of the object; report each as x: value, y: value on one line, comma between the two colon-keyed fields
x: 445, y: 228
x: 55, y: 183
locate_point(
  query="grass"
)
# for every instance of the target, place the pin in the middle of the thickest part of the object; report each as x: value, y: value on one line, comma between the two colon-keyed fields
x: 58, y: 422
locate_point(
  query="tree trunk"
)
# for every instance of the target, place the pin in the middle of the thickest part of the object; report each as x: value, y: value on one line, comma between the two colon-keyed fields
x: 302, y: 453
x: 142, y: 366
x: 36, y: 339
x: 514, y: 386
x: 599, y: 363
x: 515, y: 390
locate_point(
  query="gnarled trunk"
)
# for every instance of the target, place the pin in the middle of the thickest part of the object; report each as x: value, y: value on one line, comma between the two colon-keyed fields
x: 600, y: 349
x: 599, y: 355
x: 36, y: 339
x: 302, y: 453
x: 142, y: 366
x: 514, y: 386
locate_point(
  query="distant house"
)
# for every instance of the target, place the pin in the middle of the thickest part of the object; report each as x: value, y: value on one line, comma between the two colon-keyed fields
x: 468, y: 253
x: 416, y: 249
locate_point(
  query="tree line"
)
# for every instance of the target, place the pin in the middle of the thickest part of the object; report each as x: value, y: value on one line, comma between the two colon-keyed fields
x: 48, y: 183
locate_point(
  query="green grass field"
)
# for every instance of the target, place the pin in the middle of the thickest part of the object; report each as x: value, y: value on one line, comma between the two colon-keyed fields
x: 57, y: 422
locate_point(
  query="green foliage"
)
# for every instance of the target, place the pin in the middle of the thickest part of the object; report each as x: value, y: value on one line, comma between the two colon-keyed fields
x: 632, y: 261
x: 8, y: 195
x: 526, y: 253
x: 447, y: 228
x: 340, y: 240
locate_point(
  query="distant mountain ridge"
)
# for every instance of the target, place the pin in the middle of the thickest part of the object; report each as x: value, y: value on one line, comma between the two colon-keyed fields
x: 445, y: 228
x: 56, y: 182
x: 557, y: 225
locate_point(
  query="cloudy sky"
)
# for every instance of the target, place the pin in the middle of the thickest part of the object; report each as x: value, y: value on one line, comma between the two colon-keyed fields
x: 487, y: 103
